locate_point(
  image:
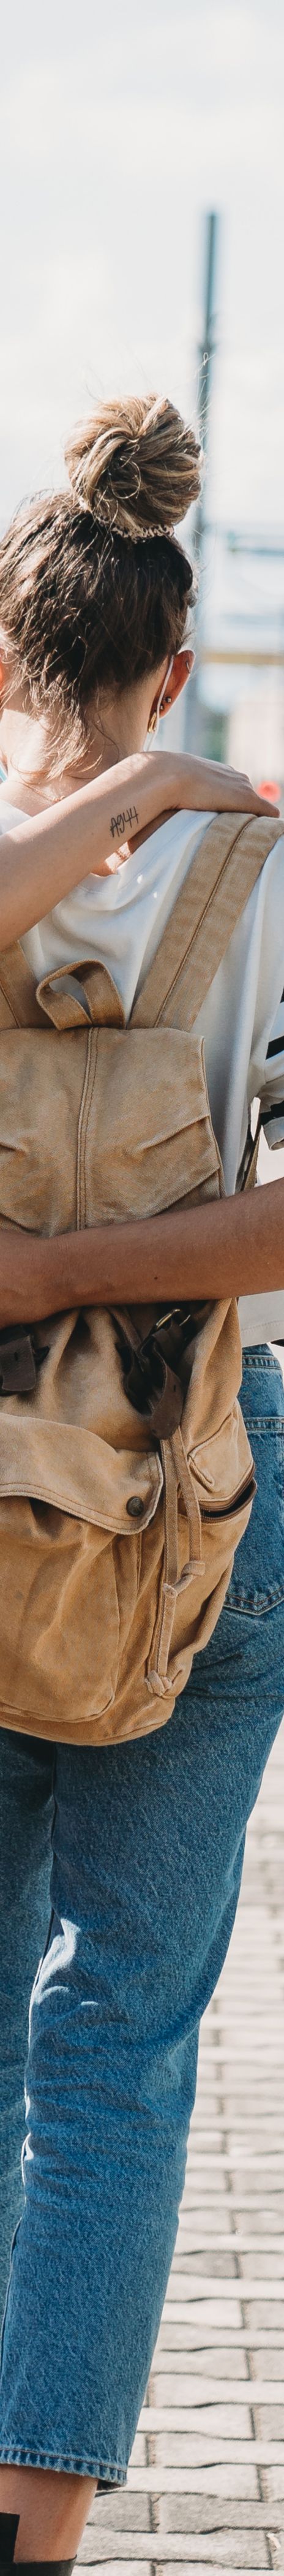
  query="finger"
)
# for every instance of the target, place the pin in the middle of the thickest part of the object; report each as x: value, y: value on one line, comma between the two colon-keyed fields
x: 236, y: 790
x: 247, y: 797
x: 243, y: 801
x: 253, y: 802
x: 262, y: 806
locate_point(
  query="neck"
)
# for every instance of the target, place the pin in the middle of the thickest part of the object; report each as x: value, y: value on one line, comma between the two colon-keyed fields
x: 114, y: 734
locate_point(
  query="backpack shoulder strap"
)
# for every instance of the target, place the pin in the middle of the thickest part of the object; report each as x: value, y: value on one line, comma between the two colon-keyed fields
x: 19, y: 1008
x: 225, y: 869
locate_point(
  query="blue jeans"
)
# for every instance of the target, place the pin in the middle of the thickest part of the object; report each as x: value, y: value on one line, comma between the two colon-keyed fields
x: 139, y: 1853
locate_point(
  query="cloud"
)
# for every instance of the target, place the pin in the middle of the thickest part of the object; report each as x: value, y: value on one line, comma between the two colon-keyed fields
x: 114, y: 133
x: 126, y: 55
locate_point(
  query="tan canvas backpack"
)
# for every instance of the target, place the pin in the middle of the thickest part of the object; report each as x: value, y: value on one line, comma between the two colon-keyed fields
x: 125, y: 1485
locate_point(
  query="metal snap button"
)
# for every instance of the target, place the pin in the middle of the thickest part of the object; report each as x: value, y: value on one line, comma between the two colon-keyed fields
x: 135, y: 1507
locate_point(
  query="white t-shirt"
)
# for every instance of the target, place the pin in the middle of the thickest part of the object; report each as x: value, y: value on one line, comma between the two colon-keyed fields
x: 120, y: 920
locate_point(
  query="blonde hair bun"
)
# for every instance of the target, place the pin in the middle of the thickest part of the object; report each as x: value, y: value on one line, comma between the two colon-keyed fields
x: 136, y: 465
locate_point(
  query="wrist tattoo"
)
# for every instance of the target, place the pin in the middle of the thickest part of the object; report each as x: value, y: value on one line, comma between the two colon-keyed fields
x: 118, y: 821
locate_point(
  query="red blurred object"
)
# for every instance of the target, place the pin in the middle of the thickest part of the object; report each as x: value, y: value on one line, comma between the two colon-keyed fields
x: 267, y: 787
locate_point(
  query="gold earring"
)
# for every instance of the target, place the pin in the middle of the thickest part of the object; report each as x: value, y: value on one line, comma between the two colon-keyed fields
x: 153, y: 720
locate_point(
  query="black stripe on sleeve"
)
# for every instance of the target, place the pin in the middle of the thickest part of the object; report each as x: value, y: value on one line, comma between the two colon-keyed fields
x: 269, y: 1116
x: 276, y: 1046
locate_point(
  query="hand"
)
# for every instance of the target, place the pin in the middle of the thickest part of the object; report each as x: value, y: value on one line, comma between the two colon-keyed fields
x: 203, y: 786
x: 207, y: 786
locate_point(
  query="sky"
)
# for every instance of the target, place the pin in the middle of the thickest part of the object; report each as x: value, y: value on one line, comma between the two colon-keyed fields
x: 120, y: 125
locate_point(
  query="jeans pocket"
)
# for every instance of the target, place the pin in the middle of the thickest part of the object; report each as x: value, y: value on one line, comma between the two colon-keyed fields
x: 257, y: 1581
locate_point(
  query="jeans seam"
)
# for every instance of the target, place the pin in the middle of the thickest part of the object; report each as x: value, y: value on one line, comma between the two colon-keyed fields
x: 82, y: 2464
x: 260, y: 1608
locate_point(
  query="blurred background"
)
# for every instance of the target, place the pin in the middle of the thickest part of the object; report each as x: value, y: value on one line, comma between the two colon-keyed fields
x: 234, y: 710
x: 142, y: 232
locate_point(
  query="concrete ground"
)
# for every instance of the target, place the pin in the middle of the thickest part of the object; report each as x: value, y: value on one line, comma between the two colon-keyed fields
x: 206, y: 2479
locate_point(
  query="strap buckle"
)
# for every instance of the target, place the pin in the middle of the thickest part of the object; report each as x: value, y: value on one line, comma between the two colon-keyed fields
x: 156, y: 1371
x: 20, y: 1360
x: 153, y: 1387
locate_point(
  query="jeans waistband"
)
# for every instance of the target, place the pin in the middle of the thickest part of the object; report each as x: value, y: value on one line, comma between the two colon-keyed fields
x: 258, y: 1355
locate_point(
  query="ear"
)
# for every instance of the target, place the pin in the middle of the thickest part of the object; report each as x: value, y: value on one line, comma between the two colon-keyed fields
x: 5, y: 669
x: 181, y: 672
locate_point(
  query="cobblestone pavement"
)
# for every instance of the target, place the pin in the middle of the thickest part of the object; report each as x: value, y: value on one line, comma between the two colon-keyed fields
x: 206, y: 2480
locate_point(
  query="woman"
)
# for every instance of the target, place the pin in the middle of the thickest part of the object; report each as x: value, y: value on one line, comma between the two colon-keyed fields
x: 147, y: 1840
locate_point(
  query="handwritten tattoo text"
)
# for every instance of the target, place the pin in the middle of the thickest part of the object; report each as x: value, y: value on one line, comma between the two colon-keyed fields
x: 119, y: 821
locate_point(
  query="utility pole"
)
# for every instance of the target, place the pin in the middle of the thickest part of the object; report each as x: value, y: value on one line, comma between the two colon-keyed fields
x: 193, y: 724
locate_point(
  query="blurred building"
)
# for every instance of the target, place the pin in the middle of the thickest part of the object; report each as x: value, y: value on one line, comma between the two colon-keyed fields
x: 233, y: 707
x: 240, y: 652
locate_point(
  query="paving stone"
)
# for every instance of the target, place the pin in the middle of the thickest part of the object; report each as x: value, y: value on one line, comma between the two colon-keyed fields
x: 177, y: 2336
x: 125, y: 2510
x: 231, y: 2479
x: 268, y: 2264
x: 199, y: 2450
x: 191, y: 2391
x: 216, y: 2418
x: 245, y: 2142
x: 272, y: 2481
x: 191, y: 2513
x: 221, y: 2265
x: 168, y: 2367
x: 269, y: 2420
x: 268, y: 2219
x: 248, y: 2099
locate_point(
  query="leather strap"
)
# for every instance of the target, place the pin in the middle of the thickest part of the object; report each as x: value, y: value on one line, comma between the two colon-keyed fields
x: 222, y: 875
x: 85, y: 991
x: 18, y: 991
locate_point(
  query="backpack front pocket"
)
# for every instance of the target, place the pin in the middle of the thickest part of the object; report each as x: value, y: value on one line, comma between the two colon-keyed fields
x: 59, y: 1618
x: 101, y: 1124
x: 146, y: 1132
x: 42, y: 1080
